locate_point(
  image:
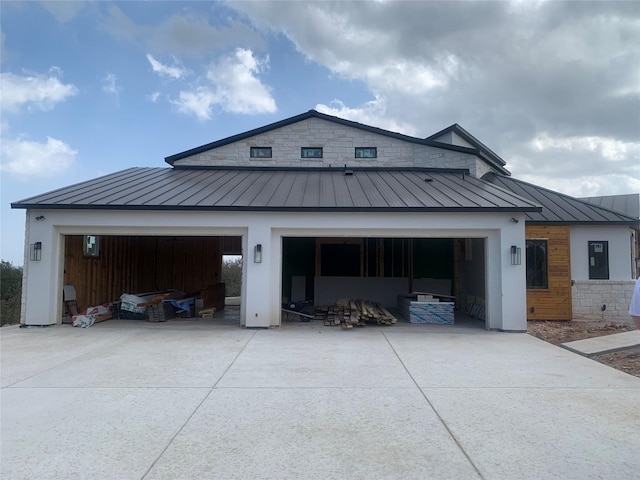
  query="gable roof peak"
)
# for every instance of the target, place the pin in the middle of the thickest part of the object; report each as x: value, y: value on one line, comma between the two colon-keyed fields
x: 315, y: 114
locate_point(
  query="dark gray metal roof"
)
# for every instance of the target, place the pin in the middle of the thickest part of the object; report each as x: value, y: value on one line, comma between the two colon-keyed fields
x: 280, y: 189
x: 558, y: 208
x: 628, y: 204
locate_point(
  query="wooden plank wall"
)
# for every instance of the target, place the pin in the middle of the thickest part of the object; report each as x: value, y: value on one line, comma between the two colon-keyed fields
x: 129, y: 264
x: 553, y: 303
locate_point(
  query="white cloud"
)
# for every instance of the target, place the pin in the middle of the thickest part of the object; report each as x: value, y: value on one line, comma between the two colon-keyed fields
x: 586, y: 185
x: 199, y: 102
x: 176, y: 72
x: 34, y: 91
x: 154, y: 97
x: 111, y: 87
x: 233, y: 85
x: 32, y: 159
x: 372, y: 113
x: 607, y: 148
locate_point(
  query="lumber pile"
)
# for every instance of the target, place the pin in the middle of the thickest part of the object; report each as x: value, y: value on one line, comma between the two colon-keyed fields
x: 349, y: 313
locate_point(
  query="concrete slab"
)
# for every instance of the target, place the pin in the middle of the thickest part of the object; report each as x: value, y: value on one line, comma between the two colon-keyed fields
x: 607, y: 343
x: 317, y: 357
x: 495, y: 359
x: 544, y: 433
x: 97, y: 433
x: 149, y: 358
x: 307, y: 402
x: 314, y: 433
x: 30, y: 351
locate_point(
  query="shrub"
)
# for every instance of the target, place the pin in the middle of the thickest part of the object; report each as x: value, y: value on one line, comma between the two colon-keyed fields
x: 232, y: 276
x: 10, y: 293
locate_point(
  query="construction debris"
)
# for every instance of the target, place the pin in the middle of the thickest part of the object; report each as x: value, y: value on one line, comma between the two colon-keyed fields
x: 350, y: 313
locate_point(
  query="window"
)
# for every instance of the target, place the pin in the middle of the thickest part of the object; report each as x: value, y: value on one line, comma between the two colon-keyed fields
x: 91, y: 246
x: 260, y: 152
x: 366, y: 152
x: 598, y: 260
x: 311, y: 152
x: 537, y: 277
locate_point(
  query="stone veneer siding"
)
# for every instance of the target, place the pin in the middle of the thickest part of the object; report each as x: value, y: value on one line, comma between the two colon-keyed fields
x: 338, y: 143
x: 590, y: 295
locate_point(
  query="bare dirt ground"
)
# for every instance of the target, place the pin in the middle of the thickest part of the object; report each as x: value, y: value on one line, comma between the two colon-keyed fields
x: 627, y: 360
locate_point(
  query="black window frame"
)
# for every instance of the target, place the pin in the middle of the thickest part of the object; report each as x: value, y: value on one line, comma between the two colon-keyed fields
x: 598, y: 260
x: 305, y: 150
x: 537, y: 269
x: 253, y: 152
x: 362, y: 150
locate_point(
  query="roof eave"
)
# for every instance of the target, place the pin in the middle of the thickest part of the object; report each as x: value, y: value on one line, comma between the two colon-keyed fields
x: 278, y: 209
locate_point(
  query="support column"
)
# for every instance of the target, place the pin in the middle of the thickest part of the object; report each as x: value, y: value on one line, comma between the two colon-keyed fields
x: 258, y: 262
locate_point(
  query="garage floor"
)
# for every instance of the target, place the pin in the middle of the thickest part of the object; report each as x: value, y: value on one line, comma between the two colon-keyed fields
x: 309, y: 402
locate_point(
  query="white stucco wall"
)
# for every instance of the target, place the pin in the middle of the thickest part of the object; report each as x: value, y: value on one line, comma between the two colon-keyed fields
x: 620, y: 257
x: 338, y: 143
x: 261, y: 295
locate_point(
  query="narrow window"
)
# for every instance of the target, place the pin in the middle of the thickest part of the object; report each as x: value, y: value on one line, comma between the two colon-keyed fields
x: 366, y: 152
x: 311, y: 152
x: 598, y: 260
x: 260, y: 152
x: 537, y: 275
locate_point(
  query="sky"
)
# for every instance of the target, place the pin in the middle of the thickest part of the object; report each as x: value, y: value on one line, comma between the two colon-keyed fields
x: 90, y: 88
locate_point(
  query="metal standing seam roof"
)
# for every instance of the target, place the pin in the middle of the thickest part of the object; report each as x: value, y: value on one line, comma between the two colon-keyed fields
x: 558, y: 208
x: 284, y: 189
x: 628, y: 204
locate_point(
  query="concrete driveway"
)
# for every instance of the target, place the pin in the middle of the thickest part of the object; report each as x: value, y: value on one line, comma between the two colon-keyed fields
x: 133, y: 400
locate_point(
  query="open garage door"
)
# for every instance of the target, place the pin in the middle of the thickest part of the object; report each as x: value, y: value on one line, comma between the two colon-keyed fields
x: 103, y: 268
x: 386, y: 271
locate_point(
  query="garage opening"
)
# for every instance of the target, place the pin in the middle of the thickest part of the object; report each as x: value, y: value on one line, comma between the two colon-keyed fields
x: 175, y: 276
x: 390, y: 272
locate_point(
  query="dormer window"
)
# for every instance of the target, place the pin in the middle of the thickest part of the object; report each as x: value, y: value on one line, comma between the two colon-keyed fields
x: 260, y: 152
x: 366, y: 152
x: 311, y: 152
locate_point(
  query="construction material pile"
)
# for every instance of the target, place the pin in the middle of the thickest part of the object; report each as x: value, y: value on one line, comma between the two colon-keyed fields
x: 350, y: 313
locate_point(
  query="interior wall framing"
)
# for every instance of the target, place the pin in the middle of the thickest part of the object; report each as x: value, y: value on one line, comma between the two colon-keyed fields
x: 136, y: 264
x: 462, y: 261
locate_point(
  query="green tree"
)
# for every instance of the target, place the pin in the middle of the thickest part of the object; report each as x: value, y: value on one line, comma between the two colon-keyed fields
x: 10, y: 293
x: 232, y: 276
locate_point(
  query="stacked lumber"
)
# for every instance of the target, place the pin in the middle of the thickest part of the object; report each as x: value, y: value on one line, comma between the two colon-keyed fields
x: 350, y: 313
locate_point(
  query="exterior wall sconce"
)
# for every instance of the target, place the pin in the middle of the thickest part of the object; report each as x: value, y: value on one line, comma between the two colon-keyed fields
x: 516, y: 255
x: 35, y: 252
x: 257, y: 253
